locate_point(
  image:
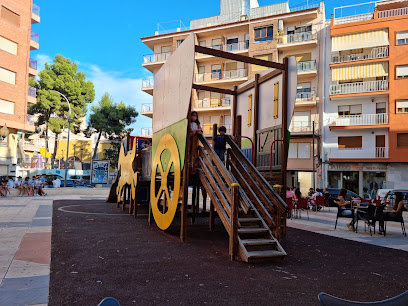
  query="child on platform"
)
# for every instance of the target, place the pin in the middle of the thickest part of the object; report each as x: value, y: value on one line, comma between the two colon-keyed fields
x: 195, y: 124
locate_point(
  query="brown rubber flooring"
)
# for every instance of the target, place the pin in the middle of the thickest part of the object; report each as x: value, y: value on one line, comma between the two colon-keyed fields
x: 96, y: 255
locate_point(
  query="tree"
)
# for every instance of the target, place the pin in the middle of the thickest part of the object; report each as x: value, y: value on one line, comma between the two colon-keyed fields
x: 62, y: 75
x: 109, y: 119
x: 112, y: 154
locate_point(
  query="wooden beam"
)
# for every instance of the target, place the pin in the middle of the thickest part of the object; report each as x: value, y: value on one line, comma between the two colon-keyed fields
x: 239, y: 58
x: 234, y: 110
x: 214, y: 89
x: 262, y: 79
x: 256, y: 113
x: 285, y: 126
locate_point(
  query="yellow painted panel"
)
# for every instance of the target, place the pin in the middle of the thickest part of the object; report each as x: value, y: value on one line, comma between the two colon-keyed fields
x: 276, y: 101
x: 250, y: 110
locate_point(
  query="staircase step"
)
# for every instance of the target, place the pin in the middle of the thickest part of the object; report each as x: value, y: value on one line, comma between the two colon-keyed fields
x: 252, y: 230
x: 264, y: 254
x: 257, y: 241
x: 249, y: 220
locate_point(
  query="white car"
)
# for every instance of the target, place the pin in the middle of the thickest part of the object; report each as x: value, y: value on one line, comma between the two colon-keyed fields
x: 382, y: 193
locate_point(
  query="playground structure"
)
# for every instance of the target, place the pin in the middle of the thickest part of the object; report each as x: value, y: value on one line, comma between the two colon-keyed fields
x: 253, y: 214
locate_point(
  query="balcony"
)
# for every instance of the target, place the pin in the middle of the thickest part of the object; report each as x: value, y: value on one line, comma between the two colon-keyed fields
x: 212, y: 104
x: 154, y: 61
x: 34, y: 42
x: 147, y: 110
x: 355, y: 18
x: 302, y: 127
x: 298, y: 39
x: 222, y: 76
x: 32, y: 69
x: 30, y: 120
x: 32, y: 95
x: 393, y: 12
x: 359, y: 153
x: 35, y: 14
x: 359, y: 120
x: 146, y: 132
x: 239, y: 47
x: 147, y: 86
x: 208, y: 128
x: 380, y: 52
x: 358, y: 87
x: 307, y: 68
x: 306, y: 98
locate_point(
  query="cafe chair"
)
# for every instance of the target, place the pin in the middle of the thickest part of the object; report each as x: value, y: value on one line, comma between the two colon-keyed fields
x: 369, y: 216
x: 340, y: 216
x: 326, y: 299
x: 401, y: 220
x: 302, y: 204
x: 289, y: 202
x: 319, y: 202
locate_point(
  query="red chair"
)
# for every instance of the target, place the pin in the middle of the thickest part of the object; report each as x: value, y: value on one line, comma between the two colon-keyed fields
x: 319, y: 201
x: 302, y: 204
x: 289, y: 202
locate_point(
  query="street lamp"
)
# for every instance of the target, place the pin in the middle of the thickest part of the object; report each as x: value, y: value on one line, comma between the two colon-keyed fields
x: 69, y: 129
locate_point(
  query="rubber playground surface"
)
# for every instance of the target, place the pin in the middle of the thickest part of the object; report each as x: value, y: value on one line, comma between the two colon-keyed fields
x: 100, y: 251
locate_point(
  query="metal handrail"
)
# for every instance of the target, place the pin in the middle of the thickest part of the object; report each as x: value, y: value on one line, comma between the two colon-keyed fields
x: 32, y: 91
x: 147, y: 107
x: 379, y: 52
x: 33, y: 63
x: 306, y: 65
x: 221, y: 75
x: 147, y: 82
x: 363, y: 119
x: 35, y: 10
x: 35, y: 37
x: 156, y: 57
x: 297, y: 37
x: 359, y: 87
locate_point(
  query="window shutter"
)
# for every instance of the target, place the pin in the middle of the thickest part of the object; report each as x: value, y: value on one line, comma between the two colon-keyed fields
x: 250, y: 110
x: 355, y: 109
x: 350, y: 142
x: 402, y: 35
x: 402, y: 140
x: 276, y: 101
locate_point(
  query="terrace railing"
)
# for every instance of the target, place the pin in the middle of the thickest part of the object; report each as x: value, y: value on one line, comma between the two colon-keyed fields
x: 379, y: 52
x: 36, y: 10
x: 33, y: 63
x: 32, y: 91
x: 35, y: 37
x: 147, y: 107
x: 306, y: 65
x: 393, y: 12
x: 364, y: 119
x: 147, y: 83
x: 359, y: 87
x: 156, y: 57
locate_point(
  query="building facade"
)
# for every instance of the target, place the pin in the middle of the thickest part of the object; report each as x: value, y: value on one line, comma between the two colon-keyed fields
x: 365, y: 132
x: 16, y: 41
x: 270, y: 32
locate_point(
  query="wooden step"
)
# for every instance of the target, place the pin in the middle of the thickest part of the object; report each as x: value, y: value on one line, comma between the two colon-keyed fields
x: 242, y: 220
x: 252, y: 230
x: 264, y: 254
x: 257, y: 241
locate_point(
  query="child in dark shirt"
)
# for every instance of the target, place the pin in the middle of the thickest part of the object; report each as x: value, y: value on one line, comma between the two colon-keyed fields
x: 220, y: 142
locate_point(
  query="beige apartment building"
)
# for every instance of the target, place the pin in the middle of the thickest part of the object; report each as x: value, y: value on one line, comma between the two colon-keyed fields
x: 16, y: 66
x: 270, y: 32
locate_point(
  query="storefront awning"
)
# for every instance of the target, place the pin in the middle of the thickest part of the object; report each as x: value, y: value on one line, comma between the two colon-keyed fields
x: 360, y: 40
x: 360, y: 71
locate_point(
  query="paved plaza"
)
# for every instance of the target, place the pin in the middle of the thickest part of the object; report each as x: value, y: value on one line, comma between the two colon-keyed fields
x: 84, y: 219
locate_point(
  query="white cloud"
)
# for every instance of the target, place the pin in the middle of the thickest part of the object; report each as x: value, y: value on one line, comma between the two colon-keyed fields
x: 123, y: 89
x: 41, y: 60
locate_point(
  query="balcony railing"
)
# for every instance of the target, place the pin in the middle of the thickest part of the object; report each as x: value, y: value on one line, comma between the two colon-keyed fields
x: 147, y: 83
x: 241, y: 45
x: 355, y: 18
x: 296, y: 38
x: 147, y: 131
x: 30, y: 120
x: 305, y: 97
x: 306, y: 65
x: 358, y: 87
x: 35, y: 37
x: 379, y: 52
x: 33, y: 63
x: 393, y: 13
x: 157, y: 57
x: 359, y: 153
x: 213, y: 103
x: 32, y: 92
x: 302, y: 127
x: 36, y: 10
x: 221, y: 75
x: 365, y: 119
x: 147, y: 107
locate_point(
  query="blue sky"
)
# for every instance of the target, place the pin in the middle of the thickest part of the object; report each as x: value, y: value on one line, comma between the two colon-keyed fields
x: 103, y: 37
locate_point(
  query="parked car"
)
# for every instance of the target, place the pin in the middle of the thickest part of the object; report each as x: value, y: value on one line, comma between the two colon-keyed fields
x: 334, y: 192
x: 76, y: 183
x: 389, y: 197
x: 86, y: 179
x: 382, y: 193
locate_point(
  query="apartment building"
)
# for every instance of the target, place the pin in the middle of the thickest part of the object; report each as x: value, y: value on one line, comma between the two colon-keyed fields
x: 270, y: 32
x: 16, y: 41
x: 366, y: 115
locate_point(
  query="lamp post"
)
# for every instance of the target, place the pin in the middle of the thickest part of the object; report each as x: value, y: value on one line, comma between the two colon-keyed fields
x: 69, y: 129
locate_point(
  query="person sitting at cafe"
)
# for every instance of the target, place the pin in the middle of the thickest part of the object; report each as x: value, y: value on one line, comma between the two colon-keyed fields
x: 395, y: 214
x: 343, y: 211
x: 314, y: 198
x: 298, y: 194
x: 290, y: 194
x: 311, y: 192
x: 326, y: 194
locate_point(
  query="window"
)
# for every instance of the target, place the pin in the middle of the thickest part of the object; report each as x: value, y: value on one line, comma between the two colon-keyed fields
x: 7, y: 76
x: 10, y: 16
x: 402, y: 71
x: 6, y: 107
x: 232, y: 44
x: 299, y: 150
x: 402, y: 38
x: 166, y: 49
x: 8, y: 46
x: 216, y: 72
x: 402, y: 140
x: 350, y: 142
x: 402, y: 106
x: 217, y: 43
x: 202, y: 43
x: 201, y: 74
x: 179, y: 42
x: 264, y: 33
x: 215, y: 99
x: 350, y: 110
x: 380, y: 108
x: 250, y: 110
x: 231, y: 70
x: 266, y: 57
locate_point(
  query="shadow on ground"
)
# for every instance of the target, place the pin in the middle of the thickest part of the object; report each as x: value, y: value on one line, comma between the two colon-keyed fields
x: 97, y: 255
